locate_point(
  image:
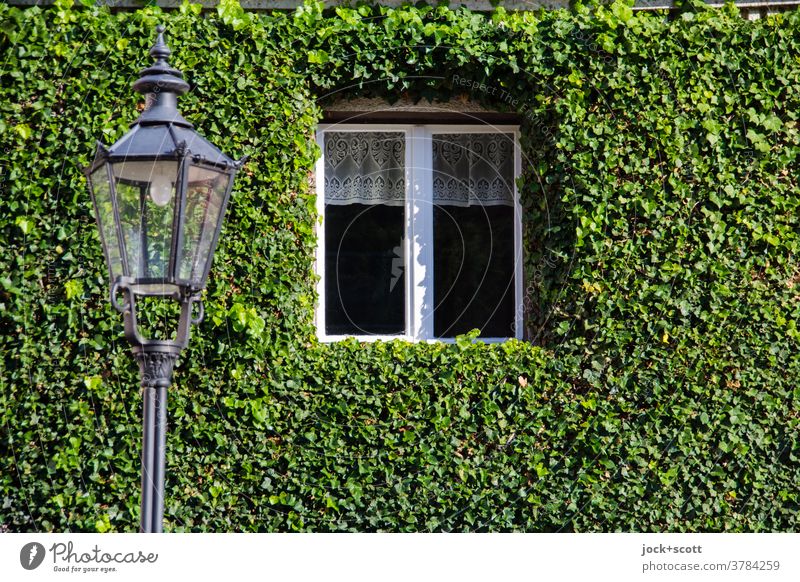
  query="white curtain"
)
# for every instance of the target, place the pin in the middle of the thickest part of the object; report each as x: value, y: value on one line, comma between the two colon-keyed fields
x: 468, y: 168
x: 365, y: 168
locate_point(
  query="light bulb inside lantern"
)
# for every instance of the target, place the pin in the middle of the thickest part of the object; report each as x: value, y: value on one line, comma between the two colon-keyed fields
x: 161, y: 190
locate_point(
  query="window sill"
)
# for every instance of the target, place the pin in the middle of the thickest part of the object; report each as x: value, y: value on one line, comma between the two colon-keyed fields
x: 329, y: 339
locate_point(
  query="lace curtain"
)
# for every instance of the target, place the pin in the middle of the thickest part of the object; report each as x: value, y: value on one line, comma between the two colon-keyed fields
x: 468, y: 168
x: 473, y: 168
x: 365, y: 168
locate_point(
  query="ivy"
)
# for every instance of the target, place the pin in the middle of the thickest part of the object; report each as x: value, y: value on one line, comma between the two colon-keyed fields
x: 658, y: 385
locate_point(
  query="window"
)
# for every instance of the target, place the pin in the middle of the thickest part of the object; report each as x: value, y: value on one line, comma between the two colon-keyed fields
x: 420, y: 236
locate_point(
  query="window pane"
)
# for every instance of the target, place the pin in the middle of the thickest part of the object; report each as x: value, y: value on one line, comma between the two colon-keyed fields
x: 473, y: 226
x: 473, y: 257
x: 364, y: 274
x: 364, y: 227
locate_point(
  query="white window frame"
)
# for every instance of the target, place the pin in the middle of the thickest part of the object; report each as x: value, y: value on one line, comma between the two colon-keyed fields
x: 418, y: 229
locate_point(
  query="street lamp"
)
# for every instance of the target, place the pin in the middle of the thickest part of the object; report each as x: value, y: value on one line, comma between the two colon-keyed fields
x: 159, y: 196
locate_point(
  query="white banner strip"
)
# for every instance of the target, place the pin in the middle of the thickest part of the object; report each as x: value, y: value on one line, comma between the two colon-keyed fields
x: 400, y: 557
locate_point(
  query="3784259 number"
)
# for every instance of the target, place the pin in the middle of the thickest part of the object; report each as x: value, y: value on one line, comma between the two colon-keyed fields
x: 761, y: 565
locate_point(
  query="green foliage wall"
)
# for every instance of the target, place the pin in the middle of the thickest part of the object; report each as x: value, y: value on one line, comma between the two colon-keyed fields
x: 657, y: 390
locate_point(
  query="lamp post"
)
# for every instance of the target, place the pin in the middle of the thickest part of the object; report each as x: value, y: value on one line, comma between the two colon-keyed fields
x: 159, y: 196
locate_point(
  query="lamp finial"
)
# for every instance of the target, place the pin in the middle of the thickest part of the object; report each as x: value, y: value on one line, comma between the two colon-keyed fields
x: 160, y: 76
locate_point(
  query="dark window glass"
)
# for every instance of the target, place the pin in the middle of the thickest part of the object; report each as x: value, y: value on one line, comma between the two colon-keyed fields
x: 473, y: 258
x: 364, y: 274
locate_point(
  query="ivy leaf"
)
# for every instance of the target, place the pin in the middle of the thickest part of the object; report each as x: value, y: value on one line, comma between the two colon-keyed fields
x: 25, y: 224
x: 103, y: 524
x: 758, y: 141
x: 318, y: 57
x: 772, y: 123
x: 93, y: 383
x: 188, y: 7
x: 24, y: 130
x: 73, y: 288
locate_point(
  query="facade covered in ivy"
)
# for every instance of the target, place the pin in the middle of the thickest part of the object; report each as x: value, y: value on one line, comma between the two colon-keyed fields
x: 645, y: 373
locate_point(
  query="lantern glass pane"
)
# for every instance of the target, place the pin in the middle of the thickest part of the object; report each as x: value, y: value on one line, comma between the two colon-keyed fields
x: 146, y: 200
x: 128, y: 201
x: 205, y: 196
x: 104, y: 212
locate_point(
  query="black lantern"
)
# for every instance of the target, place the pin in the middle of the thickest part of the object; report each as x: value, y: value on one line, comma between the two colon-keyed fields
x: 159, y: 195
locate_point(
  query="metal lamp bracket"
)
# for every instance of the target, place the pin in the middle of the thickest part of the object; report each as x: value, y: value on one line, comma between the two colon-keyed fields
x: 128, y: 311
